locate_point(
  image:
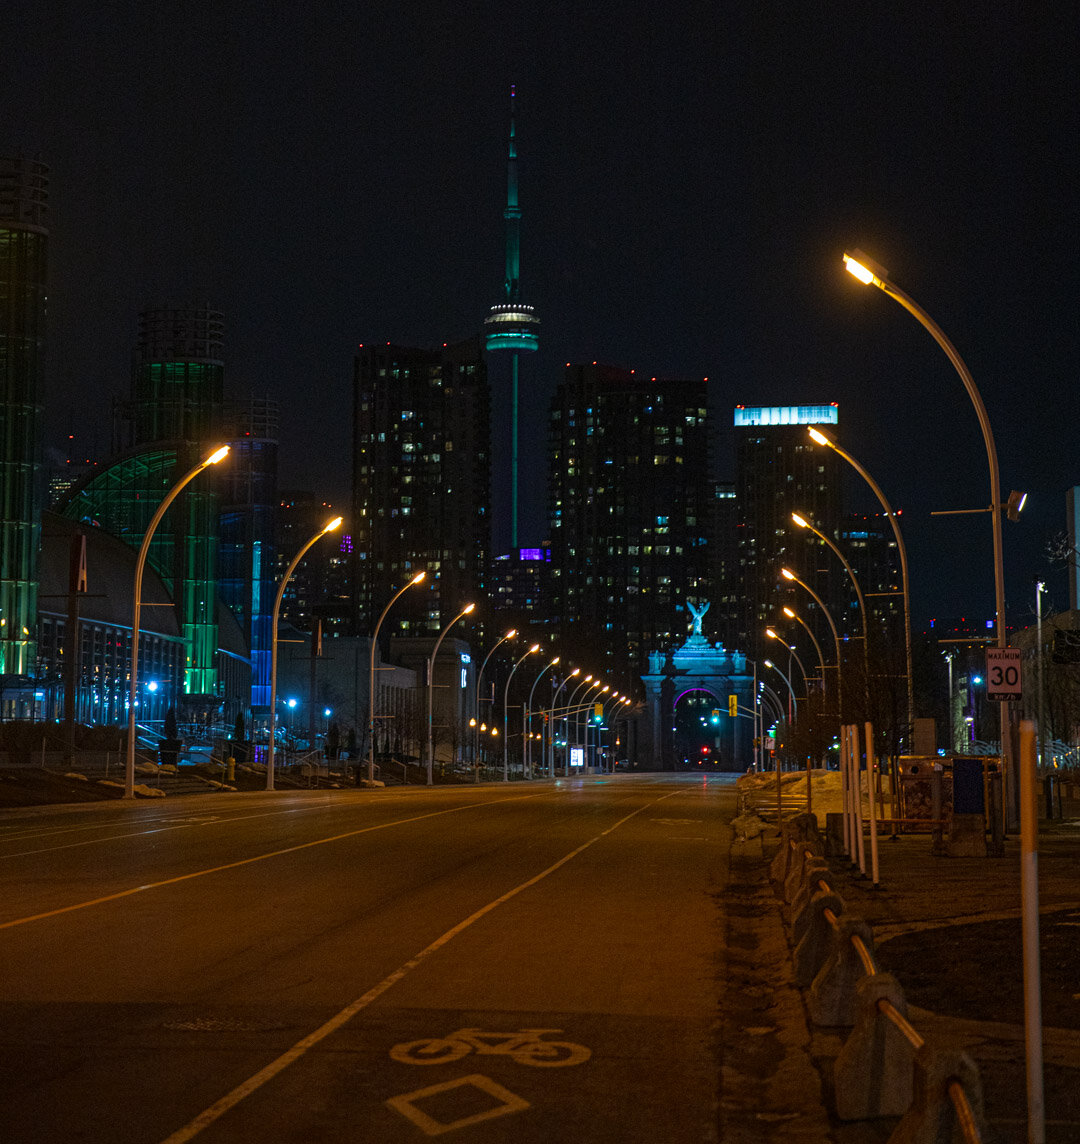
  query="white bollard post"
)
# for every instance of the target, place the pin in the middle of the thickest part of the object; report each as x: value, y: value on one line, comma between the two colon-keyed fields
x: 870, y: 762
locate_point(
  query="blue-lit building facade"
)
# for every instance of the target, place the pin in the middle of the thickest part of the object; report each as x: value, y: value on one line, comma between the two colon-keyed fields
x: 24, y: 240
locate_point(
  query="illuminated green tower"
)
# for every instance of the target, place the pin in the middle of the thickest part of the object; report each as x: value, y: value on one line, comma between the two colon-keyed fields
x: 178, y: 388
x: 512, y: 325
x: 23, y: 247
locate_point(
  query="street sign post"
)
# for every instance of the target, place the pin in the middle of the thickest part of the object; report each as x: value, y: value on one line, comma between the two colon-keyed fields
x: 1003, y: 674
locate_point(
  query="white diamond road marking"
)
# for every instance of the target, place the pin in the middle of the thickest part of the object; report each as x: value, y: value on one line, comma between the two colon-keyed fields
x: 406, y: 1104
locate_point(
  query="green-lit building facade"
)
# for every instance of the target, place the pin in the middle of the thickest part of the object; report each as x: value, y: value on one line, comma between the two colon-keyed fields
x: 23, y: 255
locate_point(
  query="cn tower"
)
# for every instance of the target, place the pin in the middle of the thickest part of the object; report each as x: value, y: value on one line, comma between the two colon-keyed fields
x: 511, y: 325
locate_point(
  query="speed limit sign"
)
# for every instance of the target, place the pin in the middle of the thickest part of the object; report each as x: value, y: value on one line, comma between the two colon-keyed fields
x: 1003, y: 673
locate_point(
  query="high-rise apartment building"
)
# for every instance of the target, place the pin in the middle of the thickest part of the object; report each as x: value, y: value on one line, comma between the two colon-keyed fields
x: 421, y: 484
x: 23, y: 249
x: 779, y: 470
x: 631, y: 515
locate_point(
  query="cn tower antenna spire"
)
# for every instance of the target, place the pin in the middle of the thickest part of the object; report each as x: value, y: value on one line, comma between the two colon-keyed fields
x: 512, y: 325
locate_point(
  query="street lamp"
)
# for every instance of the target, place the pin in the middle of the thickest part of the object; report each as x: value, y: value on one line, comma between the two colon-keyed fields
x: 822, y: 439
x: 769, y: 663
x: 506, y: 698
x: 529, y: 710
x: 793, y: 615
x: 214, y: 458
x: 771, y: 633
x: 509, y: 636
x: 331, y: 526
x: 551, y: 724
x: 431, y: 689
x: 371, y: 675
x: 789, y: 575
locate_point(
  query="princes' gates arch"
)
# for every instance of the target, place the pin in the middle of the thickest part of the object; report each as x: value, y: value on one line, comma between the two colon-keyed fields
x: 686, y: 724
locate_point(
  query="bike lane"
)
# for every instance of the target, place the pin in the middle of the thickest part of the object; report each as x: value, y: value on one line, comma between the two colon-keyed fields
x: 611, y: 958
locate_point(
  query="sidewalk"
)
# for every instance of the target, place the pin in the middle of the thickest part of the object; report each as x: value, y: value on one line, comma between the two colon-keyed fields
x: 949, y: 930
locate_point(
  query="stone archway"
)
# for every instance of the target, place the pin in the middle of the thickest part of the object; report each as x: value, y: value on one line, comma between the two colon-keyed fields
x: 705, y: 669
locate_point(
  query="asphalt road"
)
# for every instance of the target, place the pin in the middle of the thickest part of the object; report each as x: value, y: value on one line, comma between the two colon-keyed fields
x: 366, y: 966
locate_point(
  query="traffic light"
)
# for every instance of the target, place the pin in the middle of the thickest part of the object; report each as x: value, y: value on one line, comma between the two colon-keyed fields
x: 715, y: 717
x: 733, y: 705
x: 598, y: 712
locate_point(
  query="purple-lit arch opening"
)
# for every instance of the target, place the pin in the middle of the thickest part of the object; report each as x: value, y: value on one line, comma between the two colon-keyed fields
x: 694, y: 691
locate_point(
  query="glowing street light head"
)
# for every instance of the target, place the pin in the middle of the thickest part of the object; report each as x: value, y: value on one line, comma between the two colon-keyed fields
x: 510, y: 634
x: 789, y: 613
x: 417, y: 578
x: 535, y: 647
x: 818, y: 436
x: 788, y: 574
x: 799, y: 520
x: 217, y: 456
x: 469, y: 608
x: 771, y: 634
x: 555, y: 661
x: 864, y: 268
x: 587, y: 678
x: 334, y: 524
x: 769, y: 663
x: 576, y: 671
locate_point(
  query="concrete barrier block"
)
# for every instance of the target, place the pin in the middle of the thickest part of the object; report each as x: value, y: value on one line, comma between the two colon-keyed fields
x: 931, y: 1119
x: 805, y: 850
x: 815, y: 902
x: 778, y: 868
x: 815, y: 871
x: 873, y: 1074
x: 815, y: 942
x: 831, y: 1000
x: 967, y: 836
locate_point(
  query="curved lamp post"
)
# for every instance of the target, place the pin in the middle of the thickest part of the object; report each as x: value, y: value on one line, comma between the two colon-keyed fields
x: 801, y: 522
x: 509, y: 636
x: 529, y: 712
x: 793, y: 615
x: 867, y: 271
x: 371, y: 674
x: 506, y: 698
x: 551, y: 718
x: 791, y: 690
x: 789, y: 575
x: 330, y: 527
x: 822, y: 439
x: 140, y: 564
x: 431, y: 689
x: 771, y: 633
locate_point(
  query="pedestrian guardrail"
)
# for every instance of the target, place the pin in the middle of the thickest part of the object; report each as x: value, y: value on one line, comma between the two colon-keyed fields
x: 886, y: 1067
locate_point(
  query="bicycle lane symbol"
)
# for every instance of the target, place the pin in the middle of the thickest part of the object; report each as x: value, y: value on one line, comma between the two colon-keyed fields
x: 429, y: 1108
x: 524, y: 1046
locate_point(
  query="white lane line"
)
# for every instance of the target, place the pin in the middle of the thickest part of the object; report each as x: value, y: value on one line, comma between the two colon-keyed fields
x: 247, y: 862
x: 267, y: 1073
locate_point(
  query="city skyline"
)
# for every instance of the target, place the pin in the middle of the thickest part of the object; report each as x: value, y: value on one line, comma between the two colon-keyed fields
x: 689, y: 189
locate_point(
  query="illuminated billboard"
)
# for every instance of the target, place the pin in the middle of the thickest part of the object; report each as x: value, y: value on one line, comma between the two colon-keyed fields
x: 785, y: 415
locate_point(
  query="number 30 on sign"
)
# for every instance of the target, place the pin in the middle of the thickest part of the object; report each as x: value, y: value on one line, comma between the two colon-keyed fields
x: 1003, y: 673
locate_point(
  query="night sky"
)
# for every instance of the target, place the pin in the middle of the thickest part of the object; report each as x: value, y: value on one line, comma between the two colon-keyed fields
x: 334, y: 173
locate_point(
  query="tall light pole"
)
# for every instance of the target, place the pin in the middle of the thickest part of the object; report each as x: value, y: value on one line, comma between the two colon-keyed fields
x: 789, y: 575
x: 793, y: 615
x: 331, y: 526
x: 1040, y: 587
x: 509, y: 636
x: 801, y: 522
x: 791, y: 690
x: 371, y: 674
x: 821, y: 439
x: 869, y: 272
x: 772, y: 634
x: 551, y: 721
x: 431, y: 689
x: 506, y: 699
x: 140, y: 564
x: 528, y: 709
